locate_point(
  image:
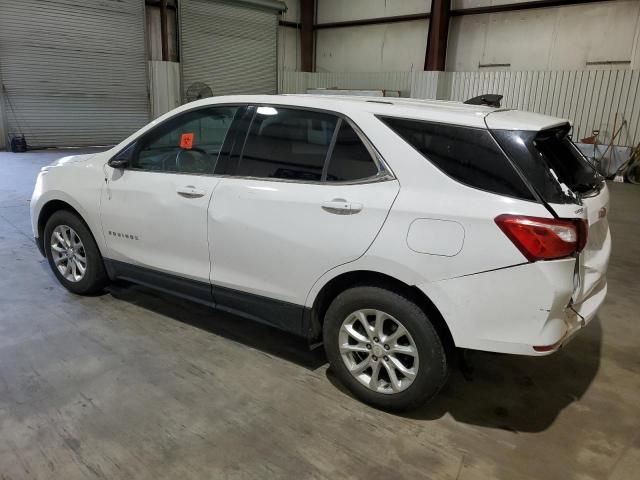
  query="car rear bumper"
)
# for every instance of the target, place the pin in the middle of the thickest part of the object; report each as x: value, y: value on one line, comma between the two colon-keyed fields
x: 524, y: 309
x: 578, y: 317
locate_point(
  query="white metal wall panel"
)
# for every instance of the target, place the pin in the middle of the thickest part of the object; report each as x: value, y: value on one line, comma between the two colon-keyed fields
x: 299, y: 82
x: 293, y: 82
x: 589, y: 98
x: 230, y: 47
x: 164, y: 83
x: 424, y: 85
x: 74, y: 70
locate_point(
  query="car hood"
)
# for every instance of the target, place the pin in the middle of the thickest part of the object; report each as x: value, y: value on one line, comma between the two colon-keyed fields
x: 72, y: 159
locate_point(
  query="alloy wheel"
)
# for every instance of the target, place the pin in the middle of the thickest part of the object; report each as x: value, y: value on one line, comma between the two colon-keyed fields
x: 68, y: 253
x: 378, y: 351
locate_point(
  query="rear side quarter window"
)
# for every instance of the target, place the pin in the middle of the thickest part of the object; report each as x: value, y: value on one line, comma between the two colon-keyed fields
x: 350, y: 159
x: 466, y: 154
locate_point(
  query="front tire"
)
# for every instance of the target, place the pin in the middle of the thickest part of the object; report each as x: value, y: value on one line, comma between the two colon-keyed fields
x: 384, y: 349
x: 73, y: 255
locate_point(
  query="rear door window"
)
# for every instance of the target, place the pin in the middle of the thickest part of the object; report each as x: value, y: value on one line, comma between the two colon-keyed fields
x: 285, y: 143
x: 551, y: 162
x: 468, y: 155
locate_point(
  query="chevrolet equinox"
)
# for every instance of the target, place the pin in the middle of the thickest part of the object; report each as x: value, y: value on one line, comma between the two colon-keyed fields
x: 391, y: 231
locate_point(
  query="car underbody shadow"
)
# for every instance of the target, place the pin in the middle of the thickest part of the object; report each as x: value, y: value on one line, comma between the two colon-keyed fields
x: 518, y: 393
x: 509, y: 392
x: 253, y: 334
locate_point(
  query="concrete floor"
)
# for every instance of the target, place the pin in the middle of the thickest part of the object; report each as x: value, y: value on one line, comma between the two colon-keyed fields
x: 133, y: 384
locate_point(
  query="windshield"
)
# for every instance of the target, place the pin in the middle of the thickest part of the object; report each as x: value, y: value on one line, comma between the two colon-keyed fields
x: 551, y: 162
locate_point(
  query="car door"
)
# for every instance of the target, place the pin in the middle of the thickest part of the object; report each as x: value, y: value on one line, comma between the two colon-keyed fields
x: 305, y: 194
x: 154, y: 211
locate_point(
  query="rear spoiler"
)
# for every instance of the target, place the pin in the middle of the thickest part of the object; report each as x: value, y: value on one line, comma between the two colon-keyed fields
x: 488, y: 99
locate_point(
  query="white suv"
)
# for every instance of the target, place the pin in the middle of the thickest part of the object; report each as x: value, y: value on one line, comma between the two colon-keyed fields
x: 390, y: 230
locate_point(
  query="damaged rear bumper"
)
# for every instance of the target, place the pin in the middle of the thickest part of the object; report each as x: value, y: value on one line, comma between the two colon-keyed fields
x: 525, y: 309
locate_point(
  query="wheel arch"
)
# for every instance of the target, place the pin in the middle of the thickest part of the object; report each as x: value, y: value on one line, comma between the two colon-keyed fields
x: 351, y: 279
x: 47, y: 210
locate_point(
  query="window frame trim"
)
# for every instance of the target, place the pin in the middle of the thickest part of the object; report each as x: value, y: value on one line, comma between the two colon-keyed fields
x: 385, y: 173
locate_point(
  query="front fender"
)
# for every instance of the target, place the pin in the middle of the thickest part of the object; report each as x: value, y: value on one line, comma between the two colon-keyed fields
x: 78, y: 187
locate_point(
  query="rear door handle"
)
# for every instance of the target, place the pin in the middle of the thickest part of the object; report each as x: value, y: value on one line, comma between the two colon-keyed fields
x: 340, y: 206
x: 190, y: 191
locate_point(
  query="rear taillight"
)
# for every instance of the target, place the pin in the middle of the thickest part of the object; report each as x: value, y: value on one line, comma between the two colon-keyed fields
x: 544, y: 238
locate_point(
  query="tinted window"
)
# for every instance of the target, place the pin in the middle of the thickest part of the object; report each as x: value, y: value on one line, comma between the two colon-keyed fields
x: 469, y: 155
x: 350, y: 159
x: 550, y: 161
x: 189, y: 143
x: 233, y: 142
x: 286, y: 143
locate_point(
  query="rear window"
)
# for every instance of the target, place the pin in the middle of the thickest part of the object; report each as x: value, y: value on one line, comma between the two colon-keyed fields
x: 551, y: 162
x: 469, y: 155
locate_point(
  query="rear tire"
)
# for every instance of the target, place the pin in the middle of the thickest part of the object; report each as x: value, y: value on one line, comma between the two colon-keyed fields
x: 382, y: 364
x: 73, y: 255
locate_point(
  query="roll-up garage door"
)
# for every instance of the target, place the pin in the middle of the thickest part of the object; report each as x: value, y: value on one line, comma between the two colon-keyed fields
x: 74, y: 71
x: 231, y: 47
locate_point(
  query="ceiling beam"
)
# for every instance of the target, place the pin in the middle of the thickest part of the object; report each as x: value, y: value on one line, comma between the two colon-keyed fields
x: 509, y: 7
x: 374, y: 21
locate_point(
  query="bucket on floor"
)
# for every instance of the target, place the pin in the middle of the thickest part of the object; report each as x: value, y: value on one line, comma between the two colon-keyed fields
x: 18, y: 144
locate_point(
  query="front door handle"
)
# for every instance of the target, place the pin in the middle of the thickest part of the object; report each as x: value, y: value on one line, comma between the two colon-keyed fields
x: 190, y: 192
x: 340, y: 206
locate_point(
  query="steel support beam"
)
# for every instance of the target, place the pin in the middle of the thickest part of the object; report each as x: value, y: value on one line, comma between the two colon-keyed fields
x: 307, y: 9
x: 436, y: 56
x: 163, y: 30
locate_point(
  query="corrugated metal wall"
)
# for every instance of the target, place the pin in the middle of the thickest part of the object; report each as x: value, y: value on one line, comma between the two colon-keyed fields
x: 424, y: 84
x: 299, y: 82
x: 74, y: 70
x: 590, y: 98
x: 230, y: 48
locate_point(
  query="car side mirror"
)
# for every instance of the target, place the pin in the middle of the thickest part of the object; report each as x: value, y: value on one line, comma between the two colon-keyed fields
x: 116, y: 162
x: 123, y: 158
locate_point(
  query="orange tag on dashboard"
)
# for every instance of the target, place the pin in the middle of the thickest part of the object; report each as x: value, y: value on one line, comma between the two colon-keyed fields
x: 186, y: 141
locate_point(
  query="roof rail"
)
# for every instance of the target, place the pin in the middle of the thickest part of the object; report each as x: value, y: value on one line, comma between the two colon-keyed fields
x: 488, y: 99
x: 386, y: 102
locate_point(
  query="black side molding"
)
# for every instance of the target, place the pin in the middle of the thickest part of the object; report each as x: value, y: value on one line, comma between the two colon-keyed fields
x: 165, y: 282
x: 285, y: 316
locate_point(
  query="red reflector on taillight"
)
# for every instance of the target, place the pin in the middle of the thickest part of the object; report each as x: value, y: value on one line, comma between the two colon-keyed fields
x: 544, y: 238
x: 545, y: 348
